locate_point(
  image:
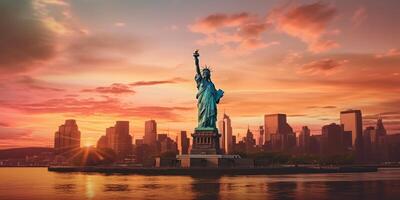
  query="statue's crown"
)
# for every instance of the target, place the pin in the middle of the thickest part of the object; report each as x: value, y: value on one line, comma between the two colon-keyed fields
x: 208, y: 68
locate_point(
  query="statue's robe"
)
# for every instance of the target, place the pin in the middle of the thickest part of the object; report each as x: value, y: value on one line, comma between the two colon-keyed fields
x: 207, y: 100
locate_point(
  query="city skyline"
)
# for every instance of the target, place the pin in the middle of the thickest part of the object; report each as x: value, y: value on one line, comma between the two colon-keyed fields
x: 134, y: 63
x: 279, y: 125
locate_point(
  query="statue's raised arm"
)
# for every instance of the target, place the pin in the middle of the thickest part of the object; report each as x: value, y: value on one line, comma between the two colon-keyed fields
x: 196, y: 56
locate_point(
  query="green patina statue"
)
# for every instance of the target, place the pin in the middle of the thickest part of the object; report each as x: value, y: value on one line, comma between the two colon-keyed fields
x: 207, y: 96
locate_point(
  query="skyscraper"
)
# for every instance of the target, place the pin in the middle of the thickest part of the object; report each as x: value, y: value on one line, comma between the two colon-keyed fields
x: 67, y: 138
x: 249, y: 141
x: 111, y: 138
x: 352, y: 121
x: 332, y: 139
x: 380, y: 129
x: 123, y: 143
x: 150, y: 133
x: 225, y: 129
x: 183, y: 143
x: 304, y: 139
x: 275, y: 124
x: 261, y: 140
x: 166, y: 144
x: 102, y: 143
x: 279, y: 134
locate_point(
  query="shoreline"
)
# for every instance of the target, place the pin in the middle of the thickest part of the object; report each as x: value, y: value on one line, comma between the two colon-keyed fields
x: 212, y: 171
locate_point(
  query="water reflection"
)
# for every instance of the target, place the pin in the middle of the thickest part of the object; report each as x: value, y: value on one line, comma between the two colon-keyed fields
x: 206, y: 188
x: 37, y: 183
x: 282, y: 190
x: 66, y: 188
x: 116, y: 187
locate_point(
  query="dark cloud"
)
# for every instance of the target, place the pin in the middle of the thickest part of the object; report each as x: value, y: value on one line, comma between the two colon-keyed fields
x: 115, y: 88
x: 321, y: 66
x: 147, y: 83
x: 35, y: 84
x: 25, y: 42
x: 119, y: 88
x: 4, y: 124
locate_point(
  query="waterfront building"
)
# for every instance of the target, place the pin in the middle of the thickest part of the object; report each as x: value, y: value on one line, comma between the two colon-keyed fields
x: 332, y: 140
x: 373, y: 141
x: 225, y: 129
x: 304, y: 139
x: 166, y: 144
x: 150, y: 133
x: 138, y: 142
x: 352, y: 121
x: 274, y: 124
x: 369, y: 137
x: 249, y: 141
x: 102, y: 143
x: 67, y: 138
x: 279, y: 135
x: 183, y: 143
x: 111, y: 138
x: 123, y: 142
x: 261, y: 137
x: 380, y: 129
x: 315, y: 144
x: 390, y: 147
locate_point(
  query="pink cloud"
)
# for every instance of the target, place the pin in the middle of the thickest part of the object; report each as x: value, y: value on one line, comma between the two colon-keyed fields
x: 359, y: 16
x: 240, y: 32
x: 323, y: 66
x: 307, y: 22
x: 390, y: 53
x: 119, y: 24
x: 213, y: 22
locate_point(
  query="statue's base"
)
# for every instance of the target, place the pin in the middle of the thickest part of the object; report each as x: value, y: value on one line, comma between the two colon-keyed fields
x: 205, y: 141
x: 204, y: 160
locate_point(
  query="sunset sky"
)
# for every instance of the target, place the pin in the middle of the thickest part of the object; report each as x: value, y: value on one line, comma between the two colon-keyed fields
x: 102, y: 61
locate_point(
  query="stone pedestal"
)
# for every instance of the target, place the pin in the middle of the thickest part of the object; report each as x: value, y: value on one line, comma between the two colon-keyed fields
x: 205, y: 141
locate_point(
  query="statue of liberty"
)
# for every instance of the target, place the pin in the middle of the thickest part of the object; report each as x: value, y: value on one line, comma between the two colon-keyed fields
x: 207, y: 96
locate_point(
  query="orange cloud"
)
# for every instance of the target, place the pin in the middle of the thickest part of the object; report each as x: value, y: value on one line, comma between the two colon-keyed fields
x: 307, y: 22
x: 119, y: 88
x: 323, y: 66
x: 390, y: 53
x: 243, y: 34
x: 147, y: 83
x: 115, y: 88
x: 213, y: 22
x: 35, y: 84
x: 91, y: 106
